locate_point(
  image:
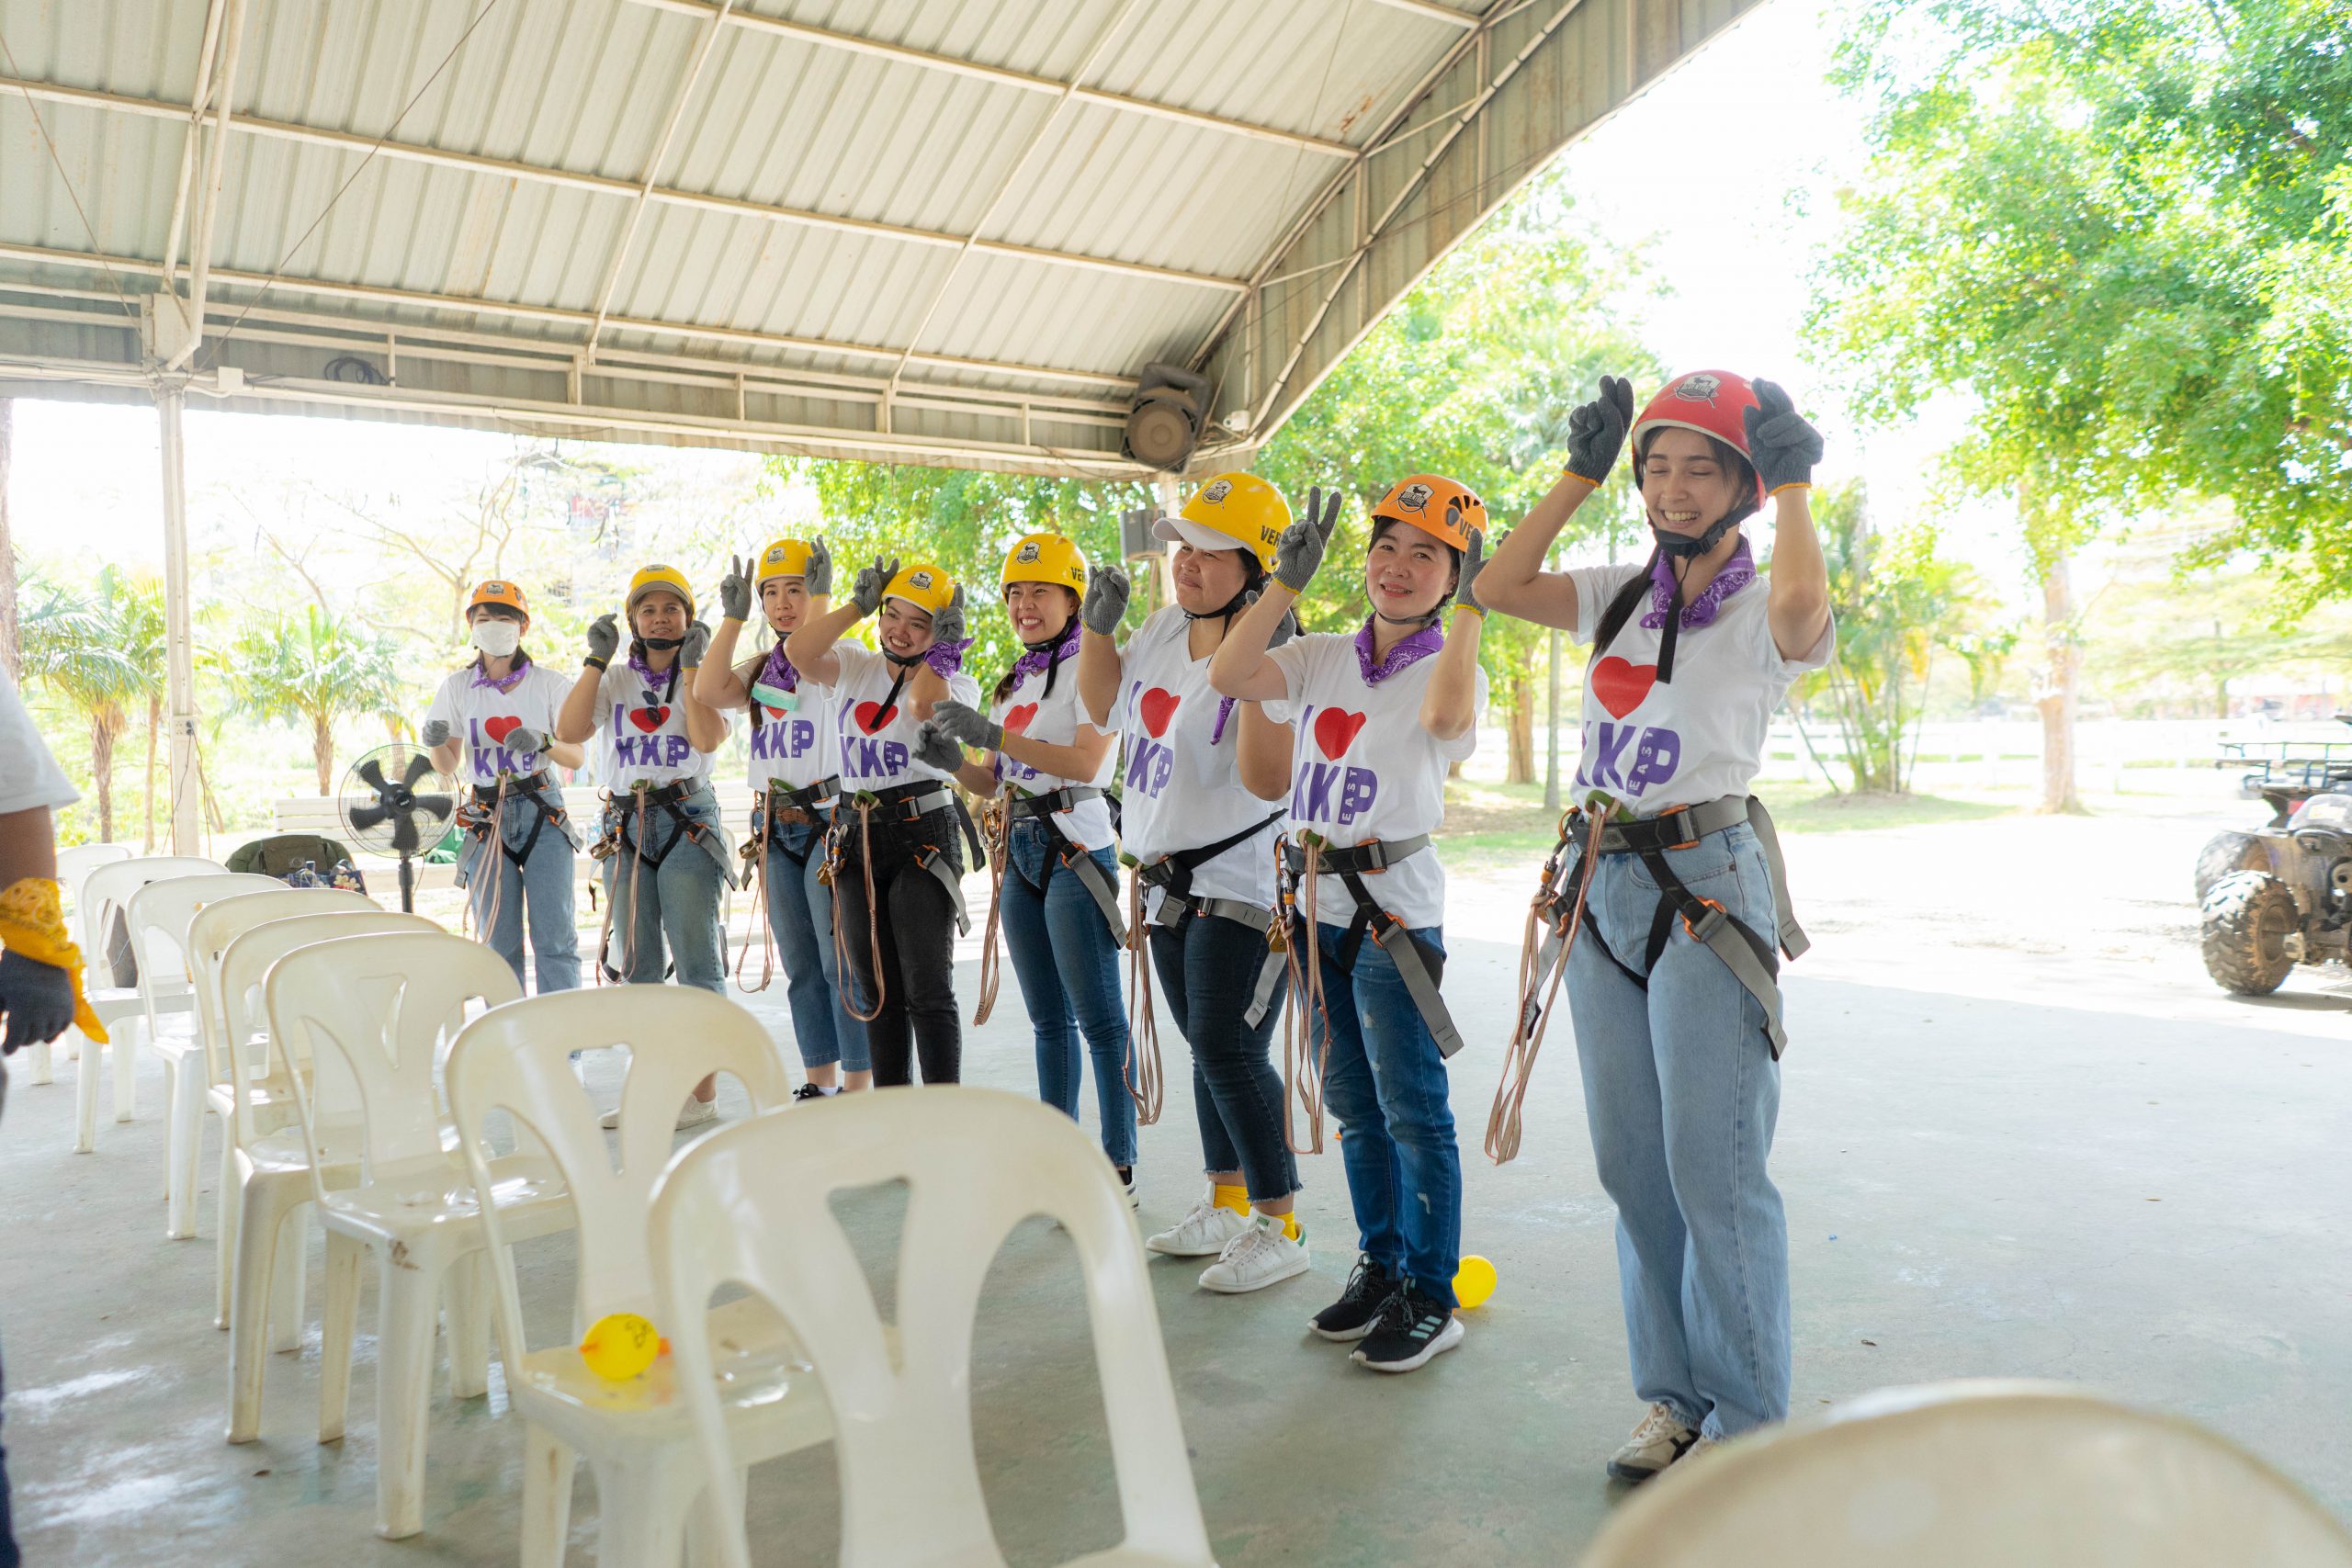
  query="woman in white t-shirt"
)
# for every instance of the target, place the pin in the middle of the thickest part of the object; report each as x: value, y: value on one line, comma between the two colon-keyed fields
x: 493, y: 724
x: 1381, y: 714
x: 667, y: 858
x: 1665, y: 874
x: 1196, y: 819
x: 796, y: 775
x: 900, y: 833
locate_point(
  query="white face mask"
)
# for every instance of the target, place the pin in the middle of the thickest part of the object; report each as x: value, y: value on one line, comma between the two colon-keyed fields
x: 496, y: 638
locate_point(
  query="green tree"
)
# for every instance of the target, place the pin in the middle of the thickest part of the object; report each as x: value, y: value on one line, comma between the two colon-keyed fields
x: 315, y: 669
x: 98, y: 653
x: 2118, y: 226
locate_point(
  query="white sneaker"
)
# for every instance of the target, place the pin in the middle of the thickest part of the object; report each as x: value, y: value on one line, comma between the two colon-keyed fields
x: 1202, y: 1232
x: 1127, y: 1175
x: 1657, y: 1442
x: 1260, y: 1255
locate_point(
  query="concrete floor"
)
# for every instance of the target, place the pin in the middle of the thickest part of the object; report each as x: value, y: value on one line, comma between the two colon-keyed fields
x: 2107, y: 1175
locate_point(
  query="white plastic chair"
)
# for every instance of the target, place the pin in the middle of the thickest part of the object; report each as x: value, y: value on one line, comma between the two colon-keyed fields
x: 636, y: 1434
x: 106, y: 892
x: 373, y: 1011
x: 159, y: 916
x: 749, y: 1205
x: 199, y: 1078
x: 73, y: 866
x: 1995, y: 1474
x: 266, y: 1181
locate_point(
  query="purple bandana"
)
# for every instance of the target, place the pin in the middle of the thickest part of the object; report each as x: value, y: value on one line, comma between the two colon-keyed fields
x: 1736, y: 574
x: 1033, y: 661
x: 778, y: 671
x: 946, y: 657
x: 481, y: 673
x: 1402, y: 654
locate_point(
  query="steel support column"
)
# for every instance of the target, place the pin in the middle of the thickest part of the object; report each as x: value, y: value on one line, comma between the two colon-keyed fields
x: 171, y: 397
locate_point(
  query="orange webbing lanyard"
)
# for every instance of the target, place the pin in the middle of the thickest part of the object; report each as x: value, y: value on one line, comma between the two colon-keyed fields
x: 1305, y: 1052
x: 843, y: 968
x: 1504, y: 1122
x: 994, y: 833
x: 1147, y: 1085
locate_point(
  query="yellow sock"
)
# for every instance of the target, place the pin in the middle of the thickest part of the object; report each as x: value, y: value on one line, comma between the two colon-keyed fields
x: 1290, y: 1226
x: 1233, y: 1198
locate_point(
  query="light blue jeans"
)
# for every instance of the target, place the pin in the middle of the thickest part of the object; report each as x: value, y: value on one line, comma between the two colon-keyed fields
x: 674, y: 903
x: 538, y: 889
x: 1386, y: 1084
x: 800, y: 914
x: 1682, y: 1092
x: 1067, y: 963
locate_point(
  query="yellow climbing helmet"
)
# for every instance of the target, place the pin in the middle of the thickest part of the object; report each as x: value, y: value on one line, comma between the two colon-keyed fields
x: 925, y: 586
x: 1045, y: 557
x: 1230, y: 511
x: 782, y: 558
x: 667, y: 578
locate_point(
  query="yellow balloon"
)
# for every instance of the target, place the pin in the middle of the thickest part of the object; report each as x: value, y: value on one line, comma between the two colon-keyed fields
x: 620, y: 1345
x: 1474, y: 1283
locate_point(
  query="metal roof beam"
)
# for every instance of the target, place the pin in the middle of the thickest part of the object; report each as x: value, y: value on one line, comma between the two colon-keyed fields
x: 856, y: 43
x: 1445, y: 14
x: 508, y: 168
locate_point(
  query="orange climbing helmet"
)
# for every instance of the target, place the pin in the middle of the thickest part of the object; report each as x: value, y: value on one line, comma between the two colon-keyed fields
x: 1445, y: 509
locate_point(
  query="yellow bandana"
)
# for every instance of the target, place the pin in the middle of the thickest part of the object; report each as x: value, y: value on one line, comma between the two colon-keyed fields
x: 33, y: 923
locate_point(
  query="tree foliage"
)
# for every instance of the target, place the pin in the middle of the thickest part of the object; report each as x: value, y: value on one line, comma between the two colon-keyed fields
x: 315, y: 669
x: 98, y: 651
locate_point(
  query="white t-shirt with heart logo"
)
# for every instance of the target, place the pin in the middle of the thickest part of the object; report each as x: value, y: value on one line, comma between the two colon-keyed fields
x: 1053, y: 718
x: 1363, y: 768
x: 482, y: 718
x: 645, y: 727
x: 1182, y: 789
x: 1700, y: 736
x: 877, y: 743
x: 793, y: 744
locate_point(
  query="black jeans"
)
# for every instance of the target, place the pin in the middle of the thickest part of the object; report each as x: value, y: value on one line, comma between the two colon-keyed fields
x: 1208, y: 969
x: 915, y: 923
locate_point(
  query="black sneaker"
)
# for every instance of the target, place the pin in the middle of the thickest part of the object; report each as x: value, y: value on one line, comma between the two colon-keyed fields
x: 1412, y: 1330
x: 807, y: 1091
x: 1351, y: 1316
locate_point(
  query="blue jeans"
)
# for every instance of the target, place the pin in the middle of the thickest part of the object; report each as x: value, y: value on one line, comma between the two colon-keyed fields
x: 1386, y: 1084
x: 540, y: 889
x: 800, y: 914
x: 1208, y: 970
x: 1067, y: 963
x: 1682, y: 1092
x: 676, y: 901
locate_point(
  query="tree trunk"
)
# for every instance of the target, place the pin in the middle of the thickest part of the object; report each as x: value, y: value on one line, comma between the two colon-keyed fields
x: 323, y: 751
x: 102, y: 731
x: 1518, y: 723
x: 155, y: 733
x: 12, y: 656
x: 2055, y: 698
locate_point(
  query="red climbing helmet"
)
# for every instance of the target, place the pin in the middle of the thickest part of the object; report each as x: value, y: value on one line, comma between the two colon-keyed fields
x: 1713, y: 402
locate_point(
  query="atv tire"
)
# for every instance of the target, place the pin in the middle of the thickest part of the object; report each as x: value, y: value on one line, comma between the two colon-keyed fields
x: 2244, y: 924
x: 2226, y: 853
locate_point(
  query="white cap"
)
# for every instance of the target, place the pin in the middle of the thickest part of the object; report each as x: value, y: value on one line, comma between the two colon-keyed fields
x: 1177, y: 531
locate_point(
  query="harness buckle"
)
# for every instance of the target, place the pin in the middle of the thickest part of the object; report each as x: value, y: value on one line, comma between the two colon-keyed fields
x: 1375, y: 853
x: 1709, y: 923
x: 1683, y: 812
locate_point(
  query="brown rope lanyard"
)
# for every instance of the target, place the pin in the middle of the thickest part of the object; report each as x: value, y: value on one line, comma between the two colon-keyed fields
x: 494, y: 852
x: 1505, y: 1121
x: 995, y: 833
x: 760, y: 898
x: 1146, y: 1083
x: 843, y: 966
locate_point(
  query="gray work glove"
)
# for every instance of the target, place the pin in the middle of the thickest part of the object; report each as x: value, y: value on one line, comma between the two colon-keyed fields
x: 1107, y: 599
x: 819, y: 578
x: 1782, y: 445
x: 866, y: 592
x: 968, y: 725
x: 948, y: 624
x: 1597, y: 430
x: 1300, y: 549
x: 434, y: 733
x: 524, y: 741
x: 603, y: 637
x: 933, y: 749
x: 735, y: 591
x: 697, y: 643
x: 38, y: 1000
x: 1284, y: 629
x: 1473, y: 562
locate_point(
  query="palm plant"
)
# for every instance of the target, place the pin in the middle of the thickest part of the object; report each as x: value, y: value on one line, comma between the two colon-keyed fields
x: 91, y: 649
x: 316, y: 669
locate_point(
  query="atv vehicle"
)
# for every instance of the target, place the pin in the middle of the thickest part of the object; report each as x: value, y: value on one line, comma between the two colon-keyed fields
x: 2280, y: 896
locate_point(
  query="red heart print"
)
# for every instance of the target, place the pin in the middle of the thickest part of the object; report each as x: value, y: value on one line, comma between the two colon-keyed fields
x: 1017, y: 721
x: 773, y: 713
x: 1158, y: 708
x: 649, y: 719
x: 499, y: 729
x: 872, y: 717
x: 1622, y: 686
x: 1335, y: 731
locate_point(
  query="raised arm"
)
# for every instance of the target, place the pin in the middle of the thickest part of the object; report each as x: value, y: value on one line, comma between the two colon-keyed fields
x: 706, y: 726
x: 576, y: 720
x: 1239, y: 668
x: 1514, y: 582
x: 716, y: 684
x: 1784, y: 447
x: 1450, y: 705
x: 1265, y: 753
x: 810, y: 646
x: 1099, y: 665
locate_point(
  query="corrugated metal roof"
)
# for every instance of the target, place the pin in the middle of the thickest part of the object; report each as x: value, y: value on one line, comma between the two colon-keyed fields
x: 948, y: 229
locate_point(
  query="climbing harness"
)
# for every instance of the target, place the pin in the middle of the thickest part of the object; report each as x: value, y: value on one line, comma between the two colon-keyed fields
x: 1173, y: 874
x: 771, y: 810
x: 627, y: 820
x: 1044, y: 809
x: 485, y: 815
x: 1556, y: 915
x: 1422, y: 969
x: 899, y: 806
